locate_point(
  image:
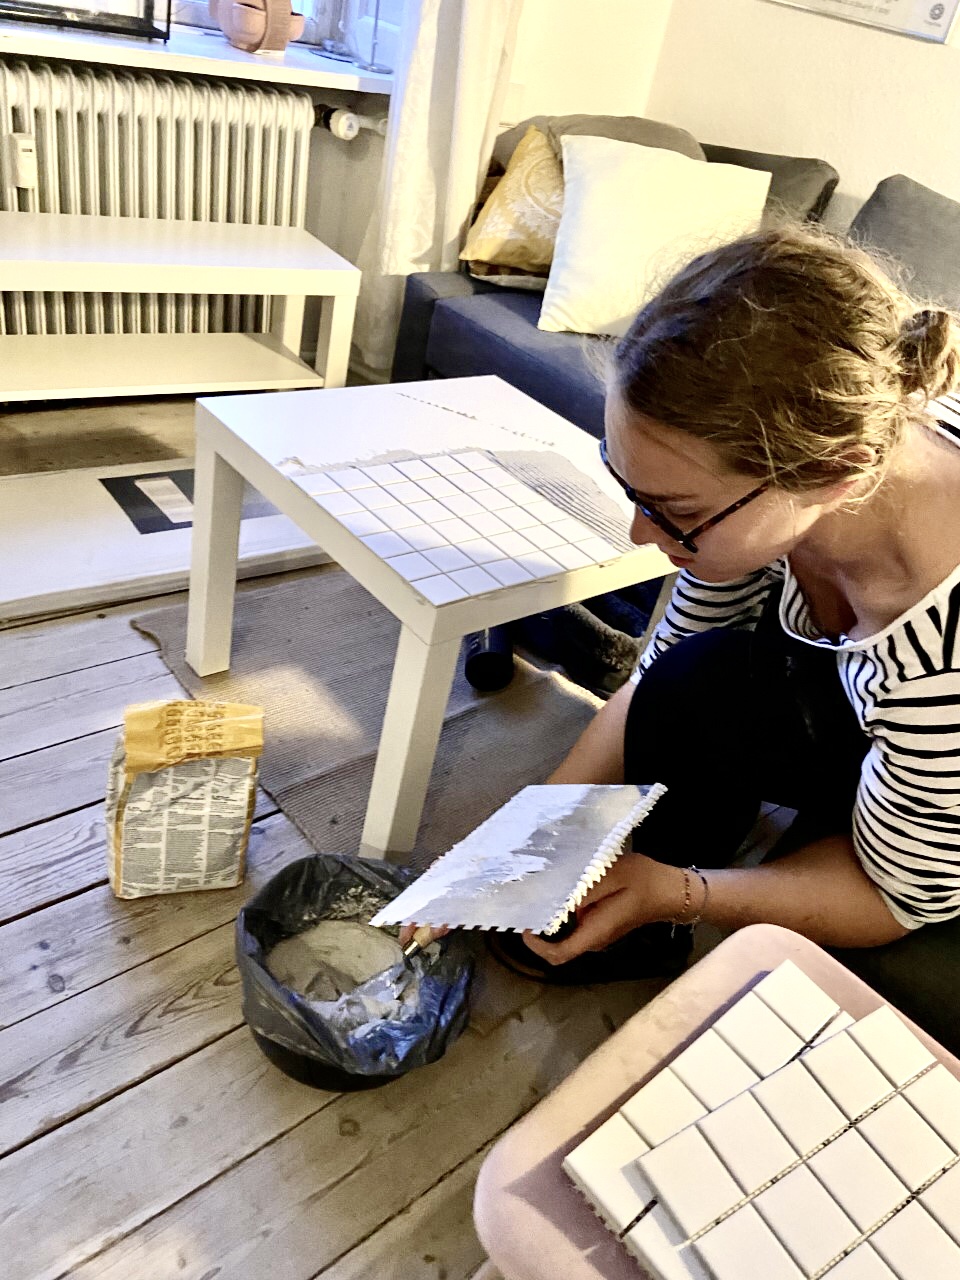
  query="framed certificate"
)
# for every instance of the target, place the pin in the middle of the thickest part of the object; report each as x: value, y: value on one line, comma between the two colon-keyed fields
x: 925, y: 19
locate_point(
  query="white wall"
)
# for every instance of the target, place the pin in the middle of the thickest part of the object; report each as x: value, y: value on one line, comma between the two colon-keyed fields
x: 595, y: 56
x: 753, y: 74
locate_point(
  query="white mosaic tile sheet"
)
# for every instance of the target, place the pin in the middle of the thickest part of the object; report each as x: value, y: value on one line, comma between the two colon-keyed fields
x: 840, y: 1158
x: 457, y: 524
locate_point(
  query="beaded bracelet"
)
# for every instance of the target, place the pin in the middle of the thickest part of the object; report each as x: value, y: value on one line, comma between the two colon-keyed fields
x: 685, y: 906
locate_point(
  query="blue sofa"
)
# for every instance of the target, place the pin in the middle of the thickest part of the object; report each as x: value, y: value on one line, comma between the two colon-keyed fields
x: 453, y: 325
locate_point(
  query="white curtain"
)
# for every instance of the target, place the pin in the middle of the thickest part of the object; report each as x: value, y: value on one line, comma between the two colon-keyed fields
x: 452, y: 73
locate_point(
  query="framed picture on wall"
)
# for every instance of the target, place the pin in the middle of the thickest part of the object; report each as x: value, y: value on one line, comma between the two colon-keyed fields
x: 925, y: 19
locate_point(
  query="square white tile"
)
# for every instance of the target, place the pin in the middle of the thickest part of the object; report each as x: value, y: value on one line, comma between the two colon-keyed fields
x: 690, y: 1180
x: 374, y: 498
x: 891, y: 1045
x: 362, y: 523
x: 454, y: 530
x: 942, y: 1200
x: 758, y: 1035
x: 748, y: 1142
x: 711, y: 1070
x: 743, y: 1247
x: 352, y: 478
x: 340, y: 503
x: 543, y: 537
x: 507, y: 572
x: 902, y: 1138
x: 539, y: 564
x: 416, y: 470
x: 797, y: 1000
x: 839, y: 1022
x: 475, y: 461
x: 448, y: 558
x: 461, y: 504
x: 937, y: 1097
x: 440, y: 590
x: 398, y: 516
x: 422, y: 537
x: 469, y: 482
x: 847, y: 1074
x: 412, y: 566
x: 599, y: 550
x: 487, y: 524
x: 447, y: 464
x: 571, y: 529
x: 492, y: 499
x: 658, y: 1245
x: 571, y: 557
x: 864, y: 1186
x: 864, y: 1263
x: 407, y: 491
x: 475, y: 581
x: 512, y: 543
x: 480, y: 550
x: 804, y: 1113
x: 495, y: 475
x: 663, y: 1106
x: 430, y: 511
x: 916, y: 1247
x: 438, y: 487
x: 387, y: 544
x: 384, y: 473
x: 316, y: 482
x: 806, y: 1220
x: 604, y: 1168
x: 518, y: 518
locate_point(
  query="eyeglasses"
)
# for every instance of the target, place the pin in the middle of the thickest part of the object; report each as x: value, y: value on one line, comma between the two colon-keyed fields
x: 685, y: 540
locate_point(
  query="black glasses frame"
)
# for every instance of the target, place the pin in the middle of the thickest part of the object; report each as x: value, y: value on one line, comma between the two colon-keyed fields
x: 685, y: 540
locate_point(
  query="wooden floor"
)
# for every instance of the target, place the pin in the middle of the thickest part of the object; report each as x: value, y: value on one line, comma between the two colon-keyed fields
x: 142, y: 1133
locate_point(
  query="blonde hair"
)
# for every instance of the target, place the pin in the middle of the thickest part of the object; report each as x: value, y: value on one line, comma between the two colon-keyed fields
x: 793, y: 353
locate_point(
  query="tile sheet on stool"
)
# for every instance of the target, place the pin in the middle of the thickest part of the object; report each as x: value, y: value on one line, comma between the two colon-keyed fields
x: 456, y: 525
x: 786, y: 1141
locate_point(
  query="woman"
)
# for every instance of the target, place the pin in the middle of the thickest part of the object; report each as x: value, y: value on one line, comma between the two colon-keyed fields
x: 770, y: 416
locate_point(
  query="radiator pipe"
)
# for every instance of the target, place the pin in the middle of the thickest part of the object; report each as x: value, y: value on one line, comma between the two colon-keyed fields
x: 346, y: 124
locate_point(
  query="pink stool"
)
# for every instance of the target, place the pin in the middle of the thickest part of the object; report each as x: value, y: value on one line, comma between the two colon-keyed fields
x: 532, y: 1222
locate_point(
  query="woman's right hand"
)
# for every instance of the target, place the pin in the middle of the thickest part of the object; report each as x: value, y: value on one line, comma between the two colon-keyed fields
x: 408, y: 930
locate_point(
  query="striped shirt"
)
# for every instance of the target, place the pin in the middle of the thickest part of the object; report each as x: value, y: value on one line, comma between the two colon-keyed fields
x: 904, y: 685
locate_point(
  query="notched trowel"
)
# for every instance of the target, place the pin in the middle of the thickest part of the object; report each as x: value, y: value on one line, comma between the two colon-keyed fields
x: 528, y: 866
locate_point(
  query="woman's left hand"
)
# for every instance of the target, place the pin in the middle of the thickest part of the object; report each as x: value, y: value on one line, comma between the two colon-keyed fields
x: 636, y: 890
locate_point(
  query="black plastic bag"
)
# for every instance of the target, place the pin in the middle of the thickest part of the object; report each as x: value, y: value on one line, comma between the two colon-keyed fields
x: 314, y: 1041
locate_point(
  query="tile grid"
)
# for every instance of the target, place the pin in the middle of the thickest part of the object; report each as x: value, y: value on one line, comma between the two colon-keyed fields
x: 877, y: 1041
x: 455, y: 525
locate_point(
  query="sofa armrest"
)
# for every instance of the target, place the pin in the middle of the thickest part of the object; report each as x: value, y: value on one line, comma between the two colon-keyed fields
x: 423, y: 289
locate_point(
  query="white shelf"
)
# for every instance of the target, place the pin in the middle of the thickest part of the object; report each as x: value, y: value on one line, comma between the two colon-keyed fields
x: 81, y: 366
x: 192, y: 52
x: 87, y: 253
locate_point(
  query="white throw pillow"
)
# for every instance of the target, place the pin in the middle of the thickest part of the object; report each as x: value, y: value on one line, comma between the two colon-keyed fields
x: 632, y: 217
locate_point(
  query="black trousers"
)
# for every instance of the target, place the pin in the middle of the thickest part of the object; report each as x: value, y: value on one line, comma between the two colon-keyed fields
x: 729, y: 719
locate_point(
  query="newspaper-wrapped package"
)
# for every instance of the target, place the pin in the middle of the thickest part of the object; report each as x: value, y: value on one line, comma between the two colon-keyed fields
x: 180, y: 796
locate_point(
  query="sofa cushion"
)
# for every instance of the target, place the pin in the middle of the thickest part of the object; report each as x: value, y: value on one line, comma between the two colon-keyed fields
x: 647, y: 133
x: 497, y: 333
x: 919, y: 228
x: 800, y: 187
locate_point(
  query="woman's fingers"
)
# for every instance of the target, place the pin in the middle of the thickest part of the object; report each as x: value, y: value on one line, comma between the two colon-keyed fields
x: 606, y: 921
x: 429, y: 933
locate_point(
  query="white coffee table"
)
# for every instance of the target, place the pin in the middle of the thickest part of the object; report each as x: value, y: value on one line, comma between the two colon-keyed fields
x: 244, y: 438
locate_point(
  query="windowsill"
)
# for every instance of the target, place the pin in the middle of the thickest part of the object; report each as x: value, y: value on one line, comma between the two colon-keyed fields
x: 191, y: 50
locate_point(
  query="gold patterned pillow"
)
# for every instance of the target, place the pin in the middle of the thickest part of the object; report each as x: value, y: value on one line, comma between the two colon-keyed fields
x: 517, y: 227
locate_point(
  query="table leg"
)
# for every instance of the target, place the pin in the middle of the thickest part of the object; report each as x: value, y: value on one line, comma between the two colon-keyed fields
x: 287, y: 321
x: 217, y: 502
x: 419, y: 689
x: 333, y: 340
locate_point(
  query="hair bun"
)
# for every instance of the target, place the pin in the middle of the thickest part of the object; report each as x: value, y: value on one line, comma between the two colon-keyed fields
x: 929, y: 353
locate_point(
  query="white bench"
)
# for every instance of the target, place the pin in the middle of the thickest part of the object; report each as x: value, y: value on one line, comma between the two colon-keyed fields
x: 80, y: 253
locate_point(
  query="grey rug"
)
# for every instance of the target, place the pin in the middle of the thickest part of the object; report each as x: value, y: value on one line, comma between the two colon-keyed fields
x: 316, y: 651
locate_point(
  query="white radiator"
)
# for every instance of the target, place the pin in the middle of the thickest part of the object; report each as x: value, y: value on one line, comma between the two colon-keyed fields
x: 144, y: 146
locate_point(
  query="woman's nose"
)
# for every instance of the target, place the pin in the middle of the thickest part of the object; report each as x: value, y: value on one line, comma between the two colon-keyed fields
x: 643, y: 530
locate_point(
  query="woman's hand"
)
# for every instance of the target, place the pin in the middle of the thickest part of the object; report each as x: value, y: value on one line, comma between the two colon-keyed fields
x: 408, y: 930
x: 636, y: 890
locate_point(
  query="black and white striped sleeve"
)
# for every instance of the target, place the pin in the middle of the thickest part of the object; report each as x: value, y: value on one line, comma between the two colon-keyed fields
x: 697, y: 606
x: 906, y: 827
